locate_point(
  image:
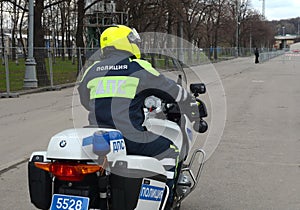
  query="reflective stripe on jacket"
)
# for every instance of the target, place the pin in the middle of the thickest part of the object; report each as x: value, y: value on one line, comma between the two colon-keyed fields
x: 114, y: 90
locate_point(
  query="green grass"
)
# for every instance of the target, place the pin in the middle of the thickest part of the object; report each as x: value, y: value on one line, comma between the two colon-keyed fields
x: 16, y: 75
x: 63, y: 72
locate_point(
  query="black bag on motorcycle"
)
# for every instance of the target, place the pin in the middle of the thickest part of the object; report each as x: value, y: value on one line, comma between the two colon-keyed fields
x: 126, y: 183
x: 40, y: 185
x: 124, y: 192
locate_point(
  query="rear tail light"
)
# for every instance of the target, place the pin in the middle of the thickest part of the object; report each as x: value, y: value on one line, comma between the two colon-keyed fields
x: 68, y: 171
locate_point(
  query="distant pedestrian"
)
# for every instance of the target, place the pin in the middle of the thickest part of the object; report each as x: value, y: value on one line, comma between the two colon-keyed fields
x: 256, y: 53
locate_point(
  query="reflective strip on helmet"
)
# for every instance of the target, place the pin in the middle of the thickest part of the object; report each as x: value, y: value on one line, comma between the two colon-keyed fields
x: 147, y: 66
x: 113, y: 86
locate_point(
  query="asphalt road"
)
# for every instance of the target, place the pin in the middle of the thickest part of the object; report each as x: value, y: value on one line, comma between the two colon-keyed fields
x: 255, y: 166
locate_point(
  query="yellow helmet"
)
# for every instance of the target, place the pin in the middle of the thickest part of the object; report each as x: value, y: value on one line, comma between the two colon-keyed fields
x: 121, y: 38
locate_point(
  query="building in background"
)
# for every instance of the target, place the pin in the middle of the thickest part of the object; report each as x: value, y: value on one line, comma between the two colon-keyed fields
x: 285, y: 41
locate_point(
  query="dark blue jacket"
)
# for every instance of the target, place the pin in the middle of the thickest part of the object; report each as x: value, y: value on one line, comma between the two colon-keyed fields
x: 113, y: 91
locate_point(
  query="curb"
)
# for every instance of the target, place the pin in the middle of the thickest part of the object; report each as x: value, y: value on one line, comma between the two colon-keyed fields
x: 36, y: 90
x: 8, y: 166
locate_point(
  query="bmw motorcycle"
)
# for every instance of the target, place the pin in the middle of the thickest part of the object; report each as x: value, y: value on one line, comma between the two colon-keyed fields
x: 88, y: 168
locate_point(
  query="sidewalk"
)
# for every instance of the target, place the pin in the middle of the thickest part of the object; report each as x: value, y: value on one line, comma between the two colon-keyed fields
x: 256, y: 165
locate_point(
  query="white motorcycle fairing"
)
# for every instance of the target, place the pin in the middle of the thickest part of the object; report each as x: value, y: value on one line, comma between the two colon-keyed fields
x: 76, y: 144
x: 165, y: 128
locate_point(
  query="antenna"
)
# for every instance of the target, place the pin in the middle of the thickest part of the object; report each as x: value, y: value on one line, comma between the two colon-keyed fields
x: 263, y: 8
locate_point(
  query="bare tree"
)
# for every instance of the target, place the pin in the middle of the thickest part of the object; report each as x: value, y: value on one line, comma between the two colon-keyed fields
x: 192, y: 13
x: 22, y: 28
x: 144, y: 15
x: 2, y: 32
x: 63, y: 18
x: 14, y: 16
x: 39, y: 32
x: 81, y: 10
x: 39, y: 53
x: 70, y: 26
x: 206, y: 23
x: 39, y: 44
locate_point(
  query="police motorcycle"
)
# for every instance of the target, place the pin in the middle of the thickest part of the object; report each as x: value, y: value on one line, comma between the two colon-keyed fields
x: 88, y: 168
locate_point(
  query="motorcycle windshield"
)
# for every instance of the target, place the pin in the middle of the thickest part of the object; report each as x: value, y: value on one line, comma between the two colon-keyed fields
x: 168, y: 65
x: 176, y: 59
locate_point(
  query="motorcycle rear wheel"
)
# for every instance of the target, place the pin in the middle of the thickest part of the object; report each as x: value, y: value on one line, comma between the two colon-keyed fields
x: 177, y: 207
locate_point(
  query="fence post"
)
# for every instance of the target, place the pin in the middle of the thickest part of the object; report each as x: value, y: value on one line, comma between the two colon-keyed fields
x: 51, y: 60
x: 50, y: 67
x: 30, y: 80
x: 2, y: 56
x: 17, y: 59
x: 8, y: 94
x: 80, y: 60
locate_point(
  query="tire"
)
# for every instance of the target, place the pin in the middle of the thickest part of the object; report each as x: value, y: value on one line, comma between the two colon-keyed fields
x: 177, y: 207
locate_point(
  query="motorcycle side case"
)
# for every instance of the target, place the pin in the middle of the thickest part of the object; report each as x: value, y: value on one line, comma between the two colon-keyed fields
x: 40, y: 184
x: 137, y: 183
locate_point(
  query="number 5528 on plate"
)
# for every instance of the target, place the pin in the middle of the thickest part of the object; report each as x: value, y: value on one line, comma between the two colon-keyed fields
x: 69, y: 202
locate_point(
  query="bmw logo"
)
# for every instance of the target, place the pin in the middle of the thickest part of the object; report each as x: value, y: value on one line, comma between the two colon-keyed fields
x: 62, y: 143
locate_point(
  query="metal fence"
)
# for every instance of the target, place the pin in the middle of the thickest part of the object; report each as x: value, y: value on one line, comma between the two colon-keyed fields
x: 291, y: 57
x: 60, y: 67
x: 267, y: 55
x: 56, y: 67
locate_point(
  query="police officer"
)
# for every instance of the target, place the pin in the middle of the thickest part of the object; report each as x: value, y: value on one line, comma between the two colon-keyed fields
x: 113, y: 91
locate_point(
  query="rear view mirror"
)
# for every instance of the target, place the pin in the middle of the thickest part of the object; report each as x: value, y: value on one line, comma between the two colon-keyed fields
x: 198, y: 88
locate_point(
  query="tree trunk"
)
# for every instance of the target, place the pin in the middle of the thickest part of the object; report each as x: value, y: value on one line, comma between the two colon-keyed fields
x: 79, y: 35
x: 20, y: 33
x: 216, y: 42
x: 68, y: 30
x: 2, y: 35
x: 63, y: 29
x: 39, y: 51
x: 13, y: 32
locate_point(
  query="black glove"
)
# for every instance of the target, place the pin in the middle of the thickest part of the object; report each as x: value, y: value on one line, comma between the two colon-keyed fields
x: 201, y: 108
x: 200, y: 126
x: 189, y: 107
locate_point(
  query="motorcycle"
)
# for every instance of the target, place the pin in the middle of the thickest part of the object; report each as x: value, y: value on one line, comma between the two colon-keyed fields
x: 88, y: 168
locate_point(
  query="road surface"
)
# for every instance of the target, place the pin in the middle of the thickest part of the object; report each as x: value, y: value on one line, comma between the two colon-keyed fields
x: 255, y: 166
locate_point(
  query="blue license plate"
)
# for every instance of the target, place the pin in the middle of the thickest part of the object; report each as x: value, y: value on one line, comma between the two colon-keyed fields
x: 69, y: 202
